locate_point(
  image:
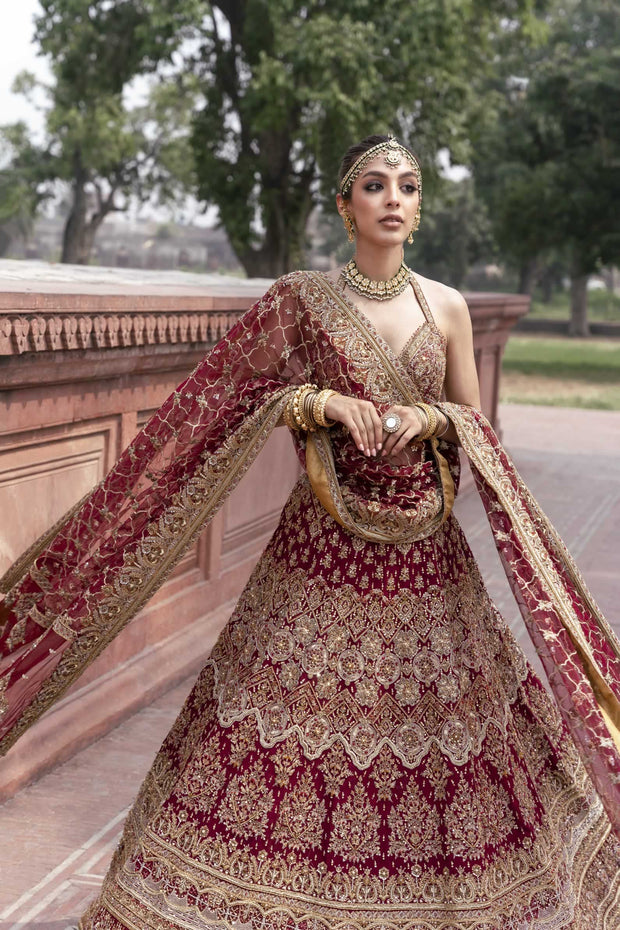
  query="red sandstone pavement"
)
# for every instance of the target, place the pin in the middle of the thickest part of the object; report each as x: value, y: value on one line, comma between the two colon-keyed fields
x: 58, y: 834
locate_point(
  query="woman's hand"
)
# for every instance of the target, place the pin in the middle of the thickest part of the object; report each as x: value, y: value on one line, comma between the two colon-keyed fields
x: 361, y: 418
x: 411, y: 425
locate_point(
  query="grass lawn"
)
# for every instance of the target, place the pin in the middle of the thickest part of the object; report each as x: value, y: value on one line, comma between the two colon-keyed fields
x: 602, y: 305
x: 562, y: 372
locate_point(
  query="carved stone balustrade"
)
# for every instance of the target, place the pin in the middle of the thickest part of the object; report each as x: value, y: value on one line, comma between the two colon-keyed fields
x: 86, y: 355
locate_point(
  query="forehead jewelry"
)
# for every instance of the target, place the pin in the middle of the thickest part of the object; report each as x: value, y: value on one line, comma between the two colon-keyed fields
x: 393, y: 155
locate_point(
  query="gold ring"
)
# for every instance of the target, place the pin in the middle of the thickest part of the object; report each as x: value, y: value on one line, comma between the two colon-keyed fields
x: 391, y: 422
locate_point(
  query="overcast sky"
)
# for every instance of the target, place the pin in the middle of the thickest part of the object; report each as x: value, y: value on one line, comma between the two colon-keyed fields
x: 17, y: 53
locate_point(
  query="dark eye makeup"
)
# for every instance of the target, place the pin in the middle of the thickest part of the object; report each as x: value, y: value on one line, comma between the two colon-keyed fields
x: 374, y: 186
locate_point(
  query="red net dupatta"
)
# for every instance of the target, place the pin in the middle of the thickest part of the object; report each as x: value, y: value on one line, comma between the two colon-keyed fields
x: 78, y: 586
x: 578, y: 649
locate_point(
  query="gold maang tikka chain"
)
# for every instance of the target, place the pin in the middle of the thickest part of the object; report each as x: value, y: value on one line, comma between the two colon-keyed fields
x: 376, y: 290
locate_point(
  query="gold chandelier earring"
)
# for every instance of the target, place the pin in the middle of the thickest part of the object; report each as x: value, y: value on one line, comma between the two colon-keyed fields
x: 415, y: 227
x: 348, y: 225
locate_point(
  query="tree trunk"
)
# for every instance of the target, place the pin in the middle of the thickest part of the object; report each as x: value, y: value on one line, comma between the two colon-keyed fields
x: 527, y: 276
x: 578, y: 325
x: 73, y: 235
x: 80, y: 230
x: 284, y: 240
x: 79, y: 234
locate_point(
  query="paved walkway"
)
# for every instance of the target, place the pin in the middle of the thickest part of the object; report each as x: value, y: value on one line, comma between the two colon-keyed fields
x: 58, y: 834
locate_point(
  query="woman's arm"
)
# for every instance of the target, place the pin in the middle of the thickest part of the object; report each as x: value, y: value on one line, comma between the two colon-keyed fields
x: 461, y: 382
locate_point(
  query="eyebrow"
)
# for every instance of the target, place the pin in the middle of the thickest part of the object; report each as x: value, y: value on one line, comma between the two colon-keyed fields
x: 384, y: 174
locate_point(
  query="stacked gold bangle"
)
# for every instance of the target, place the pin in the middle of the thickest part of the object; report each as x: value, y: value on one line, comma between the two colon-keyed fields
x: 306, y: 409
x: 437, y: 422
x: 318, y: 407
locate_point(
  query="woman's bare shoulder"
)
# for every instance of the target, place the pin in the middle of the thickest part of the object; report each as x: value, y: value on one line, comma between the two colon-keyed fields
x: 443, y: 296
x: 447, y: 305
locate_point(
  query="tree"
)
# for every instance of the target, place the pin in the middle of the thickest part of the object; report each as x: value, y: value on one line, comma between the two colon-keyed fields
x: 456, y: 233
x: 289, y: 85
x: 549, y: 165
x: 105, y: 151
x: 23, y: 183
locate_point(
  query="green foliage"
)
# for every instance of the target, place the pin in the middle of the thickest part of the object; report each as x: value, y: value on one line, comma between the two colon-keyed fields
x: 548, y: 152
x: 562, y: 372
x: 105, y: 151
x: 24, y: 182
x: 603, y: 305
x: 289, y: 86
x: 99, y: 46
x: 455, y: 233
x: 284, y: 88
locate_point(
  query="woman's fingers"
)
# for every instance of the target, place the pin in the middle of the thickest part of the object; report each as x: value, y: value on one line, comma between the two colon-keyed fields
x: 374, y: 430
x: 404, y: 437
x: 361, y: 419
x: 408, y: 430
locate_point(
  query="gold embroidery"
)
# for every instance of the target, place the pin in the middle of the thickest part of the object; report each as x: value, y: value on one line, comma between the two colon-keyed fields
x: 208, y: 884
x: 355, y: 831
x: 335, y: 768
x: 247, y: 802
x: 414, y: 826
x: 300, y: 822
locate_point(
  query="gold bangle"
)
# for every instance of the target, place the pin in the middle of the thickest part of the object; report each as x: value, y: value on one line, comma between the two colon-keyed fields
x: 307, y: 405
x: 297, y: 410
x: 424, y: 428
x: 446, y: 427
x: 287, y: 415
x: 299, y: 414
x: 318, y: 408
x: 432, y: 418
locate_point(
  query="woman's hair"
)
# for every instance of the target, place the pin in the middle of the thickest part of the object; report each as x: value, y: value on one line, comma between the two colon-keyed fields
x: 356, y: 151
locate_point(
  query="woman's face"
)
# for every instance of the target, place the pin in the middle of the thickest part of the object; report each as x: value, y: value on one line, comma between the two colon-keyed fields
x: 383, y: 203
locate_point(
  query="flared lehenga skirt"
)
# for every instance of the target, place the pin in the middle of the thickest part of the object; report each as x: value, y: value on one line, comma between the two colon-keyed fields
x: 367, y: 747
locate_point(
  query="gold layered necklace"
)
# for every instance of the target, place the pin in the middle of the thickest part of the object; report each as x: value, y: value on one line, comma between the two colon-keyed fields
x: 375, y: 290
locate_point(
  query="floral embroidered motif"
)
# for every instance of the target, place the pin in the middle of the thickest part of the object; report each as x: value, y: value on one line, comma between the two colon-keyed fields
x: 479, y: 816
x: 355, y: 831
x: 300, y: 822
x: 414, y: 826
x: 385, y: 773
x: 286, y: 760
x: 247, y: 803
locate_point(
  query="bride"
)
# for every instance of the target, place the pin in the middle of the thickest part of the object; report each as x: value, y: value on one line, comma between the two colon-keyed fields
x: 366, y: 747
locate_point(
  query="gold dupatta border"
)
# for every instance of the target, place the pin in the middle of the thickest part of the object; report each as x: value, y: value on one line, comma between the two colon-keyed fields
x: 146, y: 567
x: 320, y: 464
x: 488, y: 463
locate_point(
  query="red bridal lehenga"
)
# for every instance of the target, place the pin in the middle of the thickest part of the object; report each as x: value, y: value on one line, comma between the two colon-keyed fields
x: 367, y: 746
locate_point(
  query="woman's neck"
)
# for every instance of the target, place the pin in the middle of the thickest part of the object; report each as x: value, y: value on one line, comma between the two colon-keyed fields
x: 378, y: 264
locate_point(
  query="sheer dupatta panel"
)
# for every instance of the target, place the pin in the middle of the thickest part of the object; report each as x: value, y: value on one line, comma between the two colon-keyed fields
x: 71, y: 593
x: 576, y: 645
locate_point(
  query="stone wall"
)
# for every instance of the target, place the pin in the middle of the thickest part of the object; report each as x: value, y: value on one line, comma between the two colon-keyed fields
x: 86, y: 355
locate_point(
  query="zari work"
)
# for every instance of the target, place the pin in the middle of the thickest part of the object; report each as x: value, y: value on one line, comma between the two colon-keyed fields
x: 366, y: 746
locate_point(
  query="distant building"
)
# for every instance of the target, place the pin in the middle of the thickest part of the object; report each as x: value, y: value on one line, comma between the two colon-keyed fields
x: 137, y: 244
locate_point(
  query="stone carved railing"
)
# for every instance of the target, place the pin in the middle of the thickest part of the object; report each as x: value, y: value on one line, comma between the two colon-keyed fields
x: 85, y: 357
x: 52, y: 332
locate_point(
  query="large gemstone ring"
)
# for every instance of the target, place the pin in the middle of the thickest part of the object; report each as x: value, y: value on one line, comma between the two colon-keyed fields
x: 391, y: 422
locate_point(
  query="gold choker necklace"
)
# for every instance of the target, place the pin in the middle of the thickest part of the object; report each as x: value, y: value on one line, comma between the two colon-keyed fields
x: 376, y: 290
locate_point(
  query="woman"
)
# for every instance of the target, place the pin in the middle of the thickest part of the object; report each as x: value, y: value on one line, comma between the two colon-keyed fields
x: 366, y: 746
